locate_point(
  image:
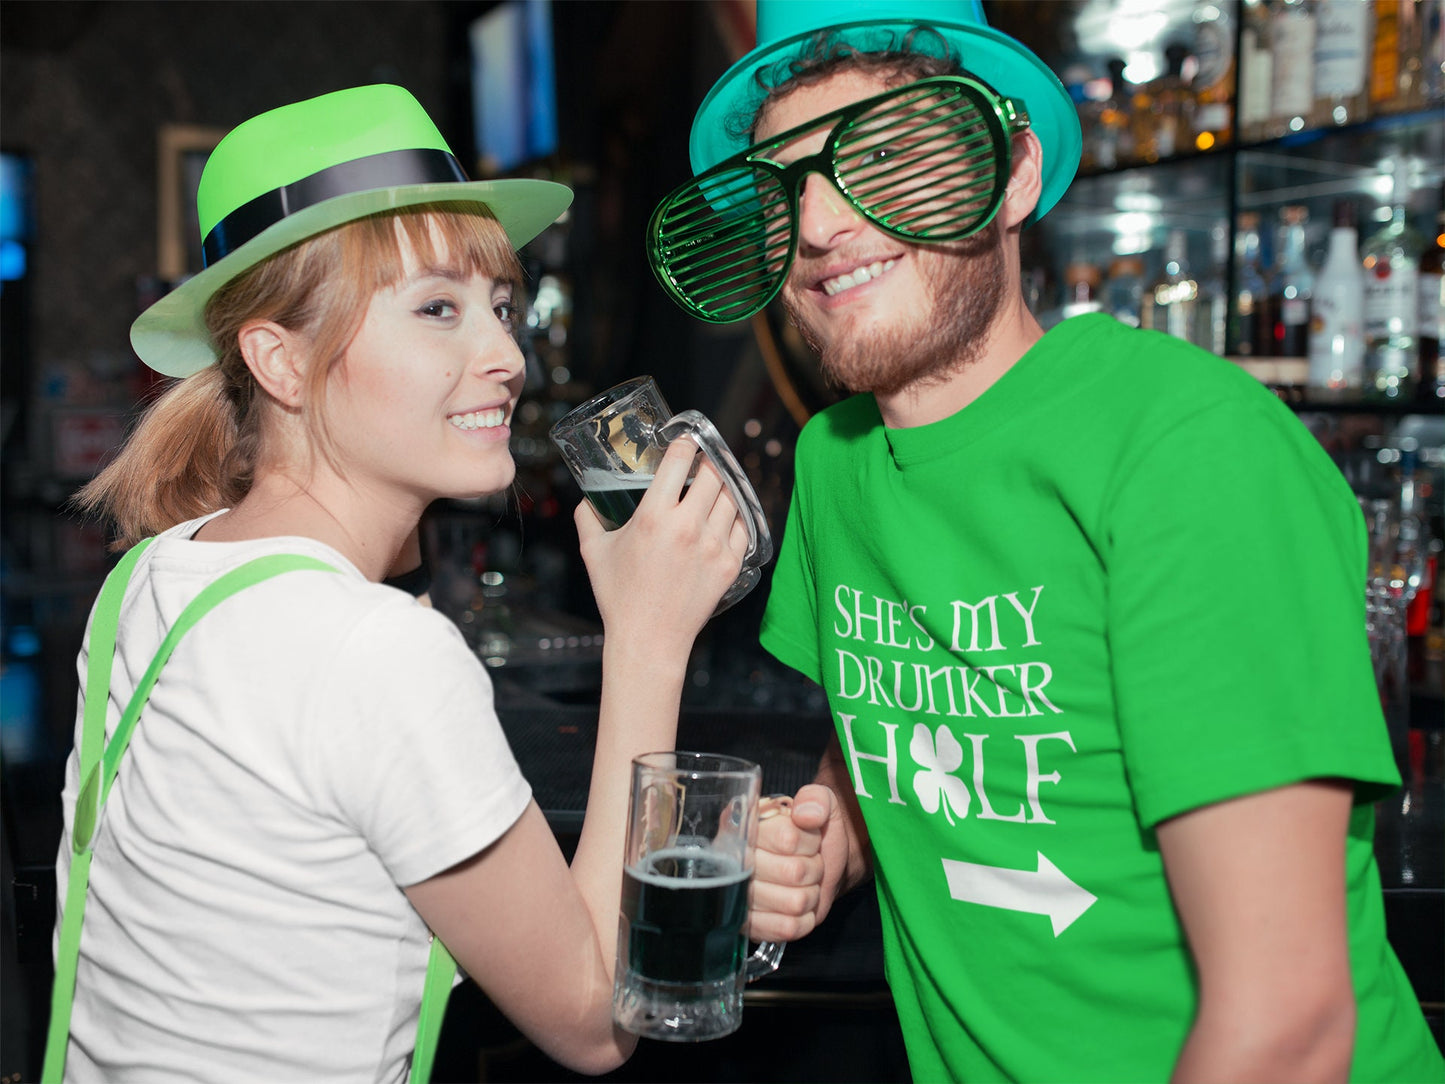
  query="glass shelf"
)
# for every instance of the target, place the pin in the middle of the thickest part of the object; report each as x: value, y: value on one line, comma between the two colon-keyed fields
x: 1315, y: 168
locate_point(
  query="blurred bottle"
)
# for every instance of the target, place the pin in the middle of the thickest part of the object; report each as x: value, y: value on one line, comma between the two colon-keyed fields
x: 1212, y: 316
x: 1113, y: 137
x: 1163, y: 111
x: 1293, y: 51
x: 1141, y: 118
x: 1433, y: 54
x: 1341, y: 62
x: 1412, y: 545
x: 1124, y: 289
x: 1391, y: 259
x: 1385, y: 57
x: 1256, y: 71
x: 1294, y: 285
x: 1410, y: 88
x: 1038, y: 287
x: 1171, y: 301
x: 1337, y: 314
x: 1043, y: 291
x: 1213, y: 81
x: 1089, y: 104
x: 1081, y: 289
x: 1254, y: 327
x: 1430, y: 318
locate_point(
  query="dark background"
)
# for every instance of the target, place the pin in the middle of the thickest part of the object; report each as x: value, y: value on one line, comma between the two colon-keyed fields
x: 86, y: 86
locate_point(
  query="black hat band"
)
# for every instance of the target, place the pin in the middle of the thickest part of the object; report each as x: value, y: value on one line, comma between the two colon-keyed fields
x: 389, y: 169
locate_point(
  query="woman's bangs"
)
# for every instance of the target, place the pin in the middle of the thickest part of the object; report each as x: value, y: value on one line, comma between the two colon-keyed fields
x: 462, y: 238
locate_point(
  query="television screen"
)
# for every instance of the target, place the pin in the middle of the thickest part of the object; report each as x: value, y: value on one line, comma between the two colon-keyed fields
x: 514, y: 94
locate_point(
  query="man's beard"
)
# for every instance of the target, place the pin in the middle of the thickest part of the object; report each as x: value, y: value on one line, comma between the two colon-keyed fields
x: 965, y: 281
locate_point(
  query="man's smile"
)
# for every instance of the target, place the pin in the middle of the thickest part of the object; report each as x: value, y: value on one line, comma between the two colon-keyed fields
x: 859, y: 275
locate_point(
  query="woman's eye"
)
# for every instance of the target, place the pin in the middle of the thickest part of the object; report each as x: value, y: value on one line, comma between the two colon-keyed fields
x: 506, y: 312
x: 438, y: 309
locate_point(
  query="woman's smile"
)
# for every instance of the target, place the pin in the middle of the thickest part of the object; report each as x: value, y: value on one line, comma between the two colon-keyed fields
x: 493, y: 418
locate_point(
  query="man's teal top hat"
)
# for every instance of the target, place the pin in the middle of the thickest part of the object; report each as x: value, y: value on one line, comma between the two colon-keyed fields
x: 302, y: 169
x: 786, y: 28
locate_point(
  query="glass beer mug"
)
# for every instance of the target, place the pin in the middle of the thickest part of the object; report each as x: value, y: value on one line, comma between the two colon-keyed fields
x: 613, y: 443
x: 682, y: 954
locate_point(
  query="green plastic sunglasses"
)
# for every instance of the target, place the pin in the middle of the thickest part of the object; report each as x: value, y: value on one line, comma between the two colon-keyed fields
x: 928, y: 161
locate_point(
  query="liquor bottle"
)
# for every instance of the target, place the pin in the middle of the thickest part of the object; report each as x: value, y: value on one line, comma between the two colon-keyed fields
x: 1413, y: 537
x: 1385, y: 56
x: 1171, y: 300
x: 1341, y: 62
x: 1113, y: 139
x: 1214, y: 78
x: 1391, y: 259
x: 1081, y: 289
x: 1163, y: 110
x: 1410, y: 88
x: 1433, y: 55
x: 1292, y: 98
x: 1431, y: 315
x: 1124, y: 289
x: 1337, y: 315
x: 1293, y: 286
x: 1212, y: 315
x: 1256, y: 72
x: 1089, y: 102
x: 1253, y: 334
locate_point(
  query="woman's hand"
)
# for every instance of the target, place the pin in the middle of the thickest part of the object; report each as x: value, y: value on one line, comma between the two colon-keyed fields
x: 665, y: 569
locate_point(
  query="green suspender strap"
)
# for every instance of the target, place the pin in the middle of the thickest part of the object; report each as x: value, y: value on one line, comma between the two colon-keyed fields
x: 100, y: 760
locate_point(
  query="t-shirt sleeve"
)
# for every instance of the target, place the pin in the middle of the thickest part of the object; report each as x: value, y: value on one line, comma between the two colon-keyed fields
x: 416, y: 762
x: 1236, y: 566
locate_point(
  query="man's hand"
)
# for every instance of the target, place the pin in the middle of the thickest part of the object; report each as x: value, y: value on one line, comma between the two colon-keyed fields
x: 801, y: 865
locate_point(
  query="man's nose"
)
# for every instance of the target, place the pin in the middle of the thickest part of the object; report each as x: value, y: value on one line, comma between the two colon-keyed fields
x: 825, y: 217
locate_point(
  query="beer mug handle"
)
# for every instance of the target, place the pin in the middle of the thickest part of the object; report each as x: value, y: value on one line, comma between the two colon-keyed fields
x: 769, y: 954
x: 765, y: 959
x: 697, y: 425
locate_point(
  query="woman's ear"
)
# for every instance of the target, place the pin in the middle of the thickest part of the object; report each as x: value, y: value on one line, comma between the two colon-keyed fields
x: 276, y: 359
x: 1025, y: 180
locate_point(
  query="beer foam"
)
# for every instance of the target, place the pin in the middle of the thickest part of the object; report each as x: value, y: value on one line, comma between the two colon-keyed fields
x: 597, y: 480
x: 732, y: 875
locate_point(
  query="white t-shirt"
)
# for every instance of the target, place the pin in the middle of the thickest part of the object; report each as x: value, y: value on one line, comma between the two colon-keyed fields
x: 315, y: 742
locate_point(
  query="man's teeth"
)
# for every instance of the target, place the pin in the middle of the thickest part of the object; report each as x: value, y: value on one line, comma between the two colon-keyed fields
x: 856, y: 277
x: 479, y: 419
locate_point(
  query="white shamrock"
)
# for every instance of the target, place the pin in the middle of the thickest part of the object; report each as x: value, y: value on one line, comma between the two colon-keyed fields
x: 934, y: 785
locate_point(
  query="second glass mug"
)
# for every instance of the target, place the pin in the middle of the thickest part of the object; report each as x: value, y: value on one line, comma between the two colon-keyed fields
x: 613, y: 443
x: 682, y: 953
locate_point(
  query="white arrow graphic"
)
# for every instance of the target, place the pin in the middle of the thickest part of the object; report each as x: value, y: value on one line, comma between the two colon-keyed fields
x: 1044, y: 892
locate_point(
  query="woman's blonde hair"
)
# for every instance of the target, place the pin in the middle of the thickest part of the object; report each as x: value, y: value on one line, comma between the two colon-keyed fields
x: 196, y: 449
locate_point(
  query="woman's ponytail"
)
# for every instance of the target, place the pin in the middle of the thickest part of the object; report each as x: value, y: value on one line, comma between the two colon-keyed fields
x: 183, y: 460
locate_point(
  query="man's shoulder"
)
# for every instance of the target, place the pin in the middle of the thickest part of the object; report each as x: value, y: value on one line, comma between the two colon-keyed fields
x: 1157, y: 370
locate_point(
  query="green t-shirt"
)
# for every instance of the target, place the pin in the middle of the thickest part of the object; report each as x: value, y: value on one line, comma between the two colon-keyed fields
x: 1124, y: 583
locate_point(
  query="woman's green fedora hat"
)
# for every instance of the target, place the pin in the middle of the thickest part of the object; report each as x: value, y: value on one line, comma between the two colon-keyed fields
x: 302, y: 169
x: 787, y: 27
